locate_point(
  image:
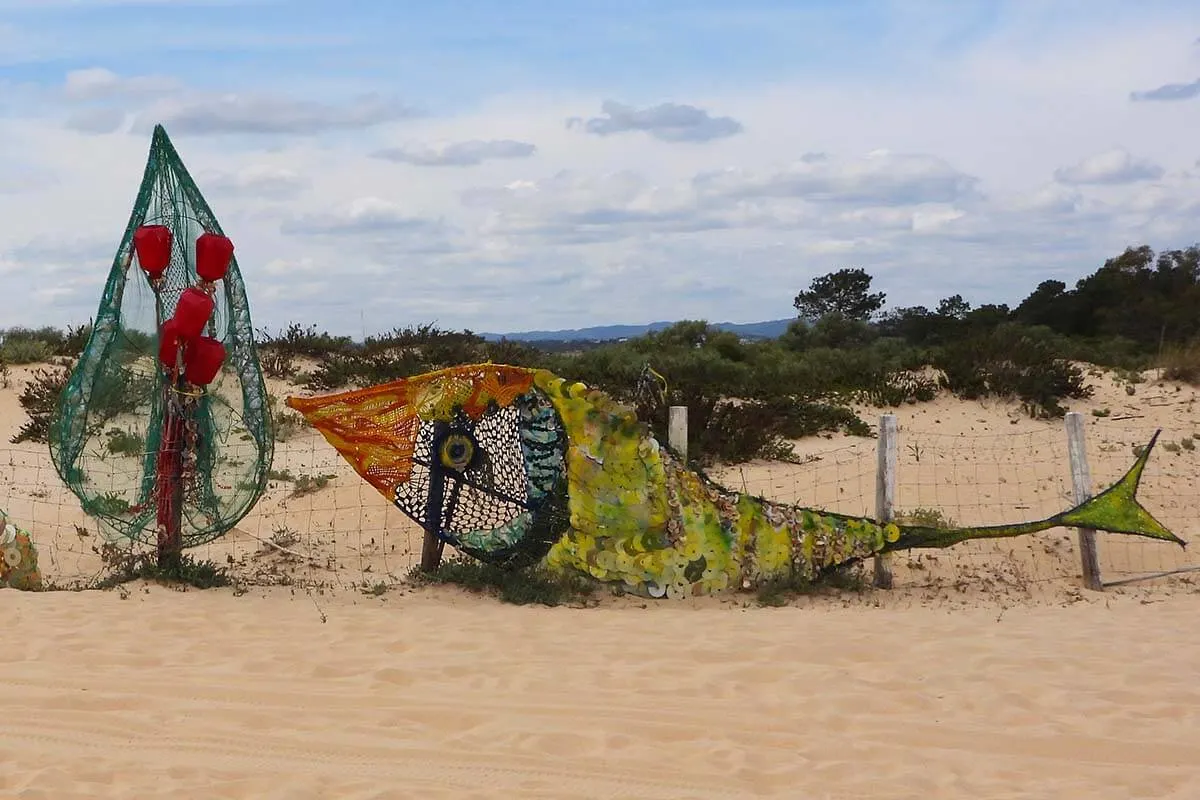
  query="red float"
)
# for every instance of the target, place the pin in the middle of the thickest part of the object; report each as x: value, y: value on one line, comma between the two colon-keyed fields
x: 213, y: 254
x: 192, y: 312
x: 203, y: 359
x: 152, y: 243
x: 168, y: 344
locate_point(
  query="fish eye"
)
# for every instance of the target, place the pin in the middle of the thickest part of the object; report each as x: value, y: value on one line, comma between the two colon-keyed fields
x: 457, y: 452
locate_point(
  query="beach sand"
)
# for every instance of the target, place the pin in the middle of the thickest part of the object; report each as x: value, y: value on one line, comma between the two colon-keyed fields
x: 988, y: 672
x: 169, y: 694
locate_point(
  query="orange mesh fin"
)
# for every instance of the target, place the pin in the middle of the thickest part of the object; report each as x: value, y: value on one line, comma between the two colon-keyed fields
x: 375, y: 430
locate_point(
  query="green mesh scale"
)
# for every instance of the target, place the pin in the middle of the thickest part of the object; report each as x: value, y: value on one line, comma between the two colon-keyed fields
x: 108, y: 429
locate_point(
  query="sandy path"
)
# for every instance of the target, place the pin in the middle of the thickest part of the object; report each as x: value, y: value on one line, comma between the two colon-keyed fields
x: 168, y: 694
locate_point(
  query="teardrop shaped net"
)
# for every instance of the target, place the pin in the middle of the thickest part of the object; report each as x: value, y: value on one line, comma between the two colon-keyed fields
x: 109, y: 428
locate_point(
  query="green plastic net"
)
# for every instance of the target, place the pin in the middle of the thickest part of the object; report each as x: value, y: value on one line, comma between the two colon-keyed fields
x: 152, y: 456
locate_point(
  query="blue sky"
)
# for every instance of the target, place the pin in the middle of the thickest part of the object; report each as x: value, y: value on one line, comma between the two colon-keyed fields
x: 503, y: 166
x: 444, y: 55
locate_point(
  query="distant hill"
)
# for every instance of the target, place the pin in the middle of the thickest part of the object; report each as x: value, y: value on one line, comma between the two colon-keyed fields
x: 604, y: 333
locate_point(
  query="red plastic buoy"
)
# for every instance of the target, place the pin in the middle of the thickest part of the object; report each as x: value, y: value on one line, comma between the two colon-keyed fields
x: 152, y: 243
x: 169, y: 343
x: 203, y: 360
x: 213, y: 254
x: 192, y: 312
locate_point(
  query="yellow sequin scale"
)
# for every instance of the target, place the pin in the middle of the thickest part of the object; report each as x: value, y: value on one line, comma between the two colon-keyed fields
x: 636, y: 515
x: 18, y: 557
x: 639, y: 517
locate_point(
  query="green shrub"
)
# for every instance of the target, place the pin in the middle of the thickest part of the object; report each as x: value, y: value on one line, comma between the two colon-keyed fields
x: 125, y: 443
x: 923, y: 517
x: 26, y: 351
x: 309, y: 484
x: 361, y: 371
x: 296, y: 341
x: 40, y: 398
x: 1013, y: 361
x: 277, y: 363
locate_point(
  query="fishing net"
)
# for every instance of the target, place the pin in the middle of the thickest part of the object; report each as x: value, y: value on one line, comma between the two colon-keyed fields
x: 157, y: 448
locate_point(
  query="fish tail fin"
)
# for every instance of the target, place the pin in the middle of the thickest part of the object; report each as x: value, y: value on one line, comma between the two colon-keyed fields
x: 1117, y: 509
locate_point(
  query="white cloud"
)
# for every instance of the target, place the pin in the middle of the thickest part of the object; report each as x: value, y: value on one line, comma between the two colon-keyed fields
x: 256, y: 181
x: 1110, y: 167
x: 670, y: 122
x: 881, y: 178
x: 364, y: 215
x: 98, y: 83
x: 458, y: 154
x: 20, y: 178
x: 285, y: 268
x: 159, y: 99
x: 1168, y: 92
x: 1052, y: 198
x: 260, y: 113
x: 96, y: 120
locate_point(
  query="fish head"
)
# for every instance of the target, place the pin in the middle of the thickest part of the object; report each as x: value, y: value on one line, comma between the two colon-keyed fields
x: 476, y: 455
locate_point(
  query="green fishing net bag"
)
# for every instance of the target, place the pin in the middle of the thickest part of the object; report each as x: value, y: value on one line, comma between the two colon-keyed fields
x: 139, y: 445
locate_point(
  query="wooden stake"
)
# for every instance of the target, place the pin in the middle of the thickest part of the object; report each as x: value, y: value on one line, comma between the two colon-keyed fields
x: 169, y: 483
x: 677, y: 431
x: 431, y: 552
x: 432, y: 546
x: 1081, y: 482
x: 885, y: 491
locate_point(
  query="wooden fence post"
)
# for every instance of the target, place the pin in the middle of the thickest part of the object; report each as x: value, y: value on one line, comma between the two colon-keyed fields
x: 677, y: 431
x: 885, y: 491
x: 1081, y: 482
x: 431, y: 552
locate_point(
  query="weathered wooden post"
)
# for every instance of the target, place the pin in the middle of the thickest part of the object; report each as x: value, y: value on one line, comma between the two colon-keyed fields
x: 432, y: 546
x: 677, y: 431
x: 885, y: 491
x: 1081, y: 481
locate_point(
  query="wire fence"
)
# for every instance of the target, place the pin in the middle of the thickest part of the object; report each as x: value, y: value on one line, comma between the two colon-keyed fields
x: 320, y: 525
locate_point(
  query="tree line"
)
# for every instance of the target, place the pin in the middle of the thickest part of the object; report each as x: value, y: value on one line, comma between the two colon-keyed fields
x: 1137, y: 303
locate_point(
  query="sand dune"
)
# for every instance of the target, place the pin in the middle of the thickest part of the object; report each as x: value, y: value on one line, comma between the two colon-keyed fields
x: 987, y: 672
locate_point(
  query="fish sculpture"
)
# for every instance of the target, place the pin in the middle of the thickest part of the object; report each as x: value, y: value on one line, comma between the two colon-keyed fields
x: 18, y: 557
x: 516, y: 466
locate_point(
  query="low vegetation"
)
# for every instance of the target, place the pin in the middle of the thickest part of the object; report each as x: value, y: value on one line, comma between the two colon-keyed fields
x: 533, y: 585
x: 39, y: 397
x: 537, y: 585
x: 849, y: 578
x: 124, y: 565
x: 747, y: 398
